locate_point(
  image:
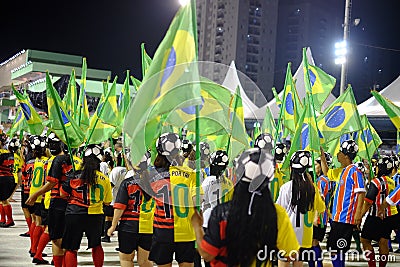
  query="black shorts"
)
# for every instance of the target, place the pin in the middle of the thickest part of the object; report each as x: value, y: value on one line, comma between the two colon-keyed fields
x: 38, y: 207
x: 129, y: 242
x: 7, y: 186
x: 392, y: 222
x: 319, y: 232
x: 76, y: 225
x: 45, y: 214
x: 108, y: 210
x: 24, y: 198
x: 56, y: 223
x: 162, y: 253
x: 339, y: 238
x: 374, y: 228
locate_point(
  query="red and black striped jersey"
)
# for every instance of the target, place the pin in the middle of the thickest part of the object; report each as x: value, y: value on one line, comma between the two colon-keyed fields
x: 86, y: 198
x: 6, y: 163
x: 129, y: 199
x: 378, y: 190
x: 27, y: 172
x: 60, y: 169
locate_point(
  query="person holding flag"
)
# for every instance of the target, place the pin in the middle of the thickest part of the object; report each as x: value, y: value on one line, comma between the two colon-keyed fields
x: 59, y: 168
x: 302, y: 202
x: 133, y: 210
x: 86, y: 191
x: 347, y: 203
x: 173, y: 188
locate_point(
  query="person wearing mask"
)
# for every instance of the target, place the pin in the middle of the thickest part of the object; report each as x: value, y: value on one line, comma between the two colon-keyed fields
x: 132, y: 209
x: 347, y: 203
x: 86, y: 191
x: 374, y: 227
x: 303, y: 204
x: 247, y: 230
x: 59, y: 167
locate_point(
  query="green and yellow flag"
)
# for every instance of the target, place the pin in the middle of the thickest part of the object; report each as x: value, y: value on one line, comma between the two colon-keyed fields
x: 71, y: 97
x: 391, y: 109
x: 146, y: 60
x: 213, y: 111
x: 367, y: 139
x: 33, y: 119
x: 83, y: 111
x: 170, y: 83
x: 321, y: 83
x: 268, y: 125
x: 239, y: 139
x: 110, y: 114
x: 59, y: 121
x: 340, y: 117
x: 124, y: 99
x: 19, y: 124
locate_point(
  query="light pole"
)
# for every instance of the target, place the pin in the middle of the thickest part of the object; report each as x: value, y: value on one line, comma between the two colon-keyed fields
x: 346, y: 33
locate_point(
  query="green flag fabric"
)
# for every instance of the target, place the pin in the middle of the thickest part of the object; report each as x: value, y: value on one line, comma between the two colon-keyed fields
x: 391, y: 109
x: 71, y: 97
x: 170, y: 83
x: 340, y: 117
x: 59, y: 121
x: 83, y: 111
x: 19, y: 124
x: 33, y: 119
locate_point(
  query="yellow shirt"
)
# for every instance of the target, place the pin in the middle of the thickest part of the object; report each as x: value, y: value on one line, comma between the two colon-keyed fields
x: 146, y: 216
x: 18, y: 162
x: 334, y: 174
x: 99, y: 193
x: 183, y: 190
x: 38, y: 177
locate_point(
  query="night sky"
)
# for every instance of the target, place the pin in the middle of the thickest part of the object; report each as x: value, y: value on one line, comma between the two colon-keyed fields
x: 109, y: 33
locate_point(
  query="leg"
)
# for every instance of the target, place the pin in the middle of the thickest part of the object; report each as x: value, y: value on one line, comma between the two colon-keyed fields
x: 98, y: 256
x: 383, y: 252
x: 369, y: 251
x: 8, y: 214
x: 44, y: 239
x: 143, y: 258
x: 126, y: 260
x: 71, y: 258
x: 58, y: 252
x: 283, y: 263
x: 186, y: 264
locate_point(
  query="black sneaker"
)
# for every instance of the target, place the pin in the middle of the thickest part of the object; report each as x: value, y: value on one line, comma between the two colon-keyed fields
x: 9, y: 224
x: 397, y: 250
x: 40, y: 261
x: 106, y: 239
x: 25, y: 234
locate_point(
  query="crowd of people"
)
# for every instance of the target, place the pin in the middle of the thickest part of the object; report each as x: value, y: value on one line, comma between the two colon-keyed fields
x: 246, y: 211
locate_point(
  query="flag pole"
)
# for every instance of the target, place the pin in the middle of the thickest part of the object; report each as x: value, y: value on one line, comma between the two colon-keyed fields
x: 61, y: 119
x: 311, y: 102
x: 289, y: 68
x: 233, y: 120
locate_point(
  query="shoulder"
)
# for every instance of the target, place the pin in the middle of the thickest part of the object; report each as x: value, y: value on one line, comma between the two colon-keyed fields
x: 101, y: 176
x: 221, y: 211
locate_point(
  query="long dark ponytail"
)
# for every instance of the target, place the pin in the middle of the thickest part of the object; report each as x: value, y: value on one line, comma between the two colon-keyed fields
x: 91, y: 164
x: 303, y: 192
x: 246, y: 235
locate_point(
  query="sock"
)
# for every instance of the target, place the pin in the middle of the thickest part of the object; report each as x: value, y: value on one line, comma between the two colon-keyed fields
x: 338, y: 260
x: 71, y: 258
x: 8, y: 211
x: 44, y: 239
x: 31, y: 230
x: 383, y: 259
x: 98, y: 256
x: 28, y: 222
x: 356, y: 236
x: 36, y: 236
x: 318, y: 255
x: 370, y: 255
x: 390, y: 244
x: 2, y: 214
x: 58, y: 261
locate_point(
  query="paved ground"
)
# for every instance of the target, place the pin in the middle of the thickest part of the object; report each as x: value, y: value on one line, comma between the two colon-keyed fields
x: 14, y: 249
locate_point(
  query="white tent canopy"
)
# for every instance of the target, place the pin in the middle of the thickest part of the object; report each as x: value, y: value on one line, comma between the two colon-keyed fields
x: 231, y: 82
x: 299, y: 78
x: 371, y: 107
